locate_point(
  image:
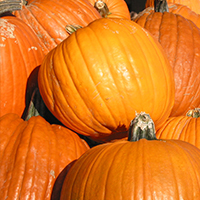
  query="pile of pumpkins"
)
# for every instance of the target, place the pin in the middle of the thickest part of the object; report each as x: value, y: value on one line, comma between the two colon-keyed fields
x: 99, y: 103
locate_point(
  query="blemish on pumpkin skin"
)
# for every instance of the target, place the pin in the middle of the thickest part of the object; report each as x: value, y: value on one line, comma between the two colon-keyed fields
x: 7, y: 29
x: 32, y: 48
x: 52, y: 173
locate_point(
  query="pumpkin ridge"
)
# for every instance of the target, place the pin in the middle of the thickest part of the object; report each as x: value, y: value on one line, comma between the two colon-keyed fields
x: 30, y: 20
x: 81, y: 96
x: 113, y: 79
x: 61, y: 110
x: 85, y: 61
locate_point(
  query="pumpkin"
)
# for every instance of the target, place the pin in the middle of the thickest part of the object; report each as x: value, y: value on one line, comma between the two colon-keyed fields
x: 111, y: 8
x: 194, y: 5
x: 180, y: 39
x: 141, y: 168
x: 186, y: 128
x: 176, y: 9
x: 33, y: 154
x: 21, y: 53
x: 96, y: 79
x: 48, y: 18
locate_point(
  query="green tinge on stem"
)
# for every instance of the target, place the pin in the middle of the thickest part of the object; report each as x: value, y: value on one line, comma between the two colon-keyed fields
x: 161, y: 6
x: 142, y: 126
x: 72, y: 28
x: 195, y: 113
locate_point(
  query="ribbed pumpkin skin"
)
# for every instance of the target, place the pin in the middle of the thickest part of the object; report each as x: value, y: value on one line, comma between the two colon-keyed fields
x: 117, y: 8
x: 96, y: 79
x: 194, y: 5
x: 180, y: 39
x: 177, y: 9
x: 48, y: 18
x: 143, y: 170
x: 183, y: 128
x: 20, y: 55
x: 32, y: 155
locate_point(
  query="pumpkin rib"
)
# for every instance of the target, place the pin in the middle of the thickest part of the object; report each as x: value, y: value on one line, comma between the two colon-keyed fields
x: 62, y: 110
x: 112, y: 77
x: 81, y: 97
x: 191, y: 60
x: 91, y: 75
x: 186, y: 158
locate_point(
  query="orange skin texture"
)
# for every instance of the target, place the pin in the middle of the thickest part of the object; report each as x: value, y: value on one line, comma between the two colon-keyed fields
x: 194, y: 5
x: 20, y: 54
x: 180, y: 39
x: 142, y: 170
x: 98, y: 78
x: 32, y: 155
x: 117, y: 8
x: 176, y: 9
x: 183, y: 128
x: 48, y: 18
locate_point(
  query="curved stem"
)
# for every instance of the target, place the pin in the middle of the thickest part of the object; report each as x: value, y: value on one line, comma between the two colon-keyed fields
x: 193, y: 113
x: 72, y: 28
x: 102, y: 8
x: 161, y: 6
x: 11, y: 5
x: 142, y: 126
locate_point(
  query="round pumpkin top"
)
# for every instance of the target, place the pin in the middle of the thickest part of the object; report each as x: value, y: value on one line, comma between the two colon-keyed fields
x: 33, y: 154
x: 137, y: 169
x: 101, y: 75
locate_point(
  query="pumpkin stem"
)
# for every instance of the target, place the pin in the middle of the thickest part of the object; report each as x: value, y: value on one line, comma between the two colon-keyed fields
x: 72, y: 28
x: 11, y: 5
x: 102, y: 8
x: 142, y: 126
x: 36, y: 105
x: 161, y: 6
x: 195, y: 113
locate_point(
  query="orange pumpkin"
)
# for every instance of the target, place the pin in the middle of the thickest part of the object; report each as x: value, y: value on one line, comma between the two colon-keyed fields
x: 194, y: 5
x: 180, y: 39
x: 186, y: 128
x: 141, y: 168
x: 111, y: 8
x: 96, y: 79
x: 21, y: 53
x: 176, y: 9
x: 33, y: 153
x: 48, y: 18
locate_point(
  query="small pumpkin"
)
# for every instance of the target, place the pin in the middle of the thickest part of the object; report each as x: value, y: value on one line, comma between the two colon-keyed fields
x: 48, y: 18
x: 194, y: 5
x: 180, y: 39
x: 176, y: 9
x: 186, y: 128
x: 111, y: 8
x: 95, y: 80
x: 33, y: 153
x: 21, y: 53
x: 141, y: 168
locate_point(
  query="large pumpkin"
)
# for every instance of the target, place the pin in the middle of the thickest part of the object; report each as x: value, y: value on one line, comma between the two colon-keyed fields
x: 95, y: 80
x: 33, y: 153
x: 194, y: 5
x: 141, y: 168
x: 186, y: 128
x: 111, y: 8
x: 180, y: 39
x: 48, y: 18
x: 20, y: 54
